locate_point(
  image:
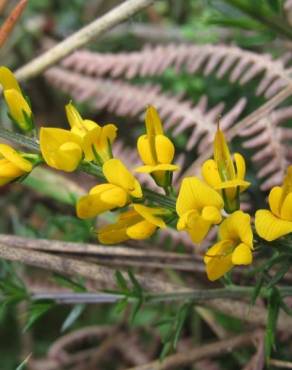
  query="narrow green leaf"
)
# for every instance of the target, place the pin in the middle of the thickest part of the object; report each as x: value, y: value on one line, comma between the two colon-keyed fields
x: 24, y: 362
x: 36, y: 311
x: 121, y: 281
x: 280, y: 273
x: 257, y: 289
x: 167, y: 348
x: 121, y: 305
x: 74, y: 314
x: 137, y: 288
x: 66, y: 282
x: 274, y: 301
x: 183, y: 314
x: 135, y: 309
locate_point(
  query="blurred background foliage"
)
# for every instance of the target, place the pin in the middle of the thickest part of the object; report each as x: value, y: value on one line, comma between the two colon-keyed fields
x: 30, y: 213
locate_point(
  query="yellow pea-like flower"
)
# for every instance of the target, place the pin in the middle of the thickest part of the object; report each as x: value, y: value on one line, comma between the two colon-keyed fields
x: 61, y: 149
x: 12, y: 164
x: 224, y: 174
x: 234, y: 248
x: 96, y: 140
x: 19, y: 109
x: 277, y: 222
x: 138, y: 223
x: 156, y: 150
x: 121, y: 188
x: 199, y: 207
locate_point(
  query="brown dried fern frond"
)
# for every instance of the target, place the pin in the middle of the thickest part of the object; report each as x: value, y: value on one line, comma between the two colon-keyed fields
x: 129, y: 100
x: 272, y: 146
x: 240, y: 65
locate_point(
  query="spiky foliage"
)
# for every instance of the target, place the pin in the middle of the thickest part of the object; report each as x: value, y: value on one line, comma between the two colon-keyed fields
x: 240, y: 65
x: 271, y: 144
x: 96, y: 78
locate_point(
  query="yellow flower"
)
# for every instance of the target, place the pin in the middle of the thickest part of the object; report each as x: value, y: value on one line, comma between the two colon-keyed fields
x: 96, y: 140
x: 271, y: 225
x: 19, y: 109
x: 198, y: 207
x: 122, y: 186
x: 222, y: 175
x: 12, y: 165
x: 61, y: 149
x: 234, y: 248
x: 156, y: 150
x: 138, y: 223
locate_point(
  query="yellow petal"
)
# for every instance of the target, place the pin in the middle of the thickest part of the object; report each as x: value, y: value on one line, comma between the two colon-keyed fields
x: 223, y: 158
x: 233, y: 184
x: 144, y: 150
x: 194, y: 194
x: 218, y: 260
x: 73, y: 117
x: 17, y: 105
x: 270, y: 227
x: 212, y: 214
x: 237, y: 228
x: 112, y: 235
x: 90, y: 206
x: 116, y: 196
x: 7, y: 80
x: 164, y: 149
x: 69, y: 156
x: 116, y: 233
x: 240, y: 169
x: 116, y: 173
x: 8, y: 172
x: 88, y: 140
x: 275, y: 197
x: 210, y: 173
x: 110, y: 194
x: 55, y: 154
x: 157, y: 168
x: 200, y: 230
x: 240, y: 166
x: 149, y: 214
x: 141, y: 230
x: 286, y: 209
x: 101, y: 198
x: 242, y: 255
x: 287, y: 185
x: 153, y: 123
x: 12, y: 156
x: 108, y: 133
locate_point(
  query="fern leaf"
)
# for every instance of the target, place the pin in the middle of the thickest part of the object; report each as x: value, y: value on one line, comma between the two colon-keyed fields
x: 240, y: 65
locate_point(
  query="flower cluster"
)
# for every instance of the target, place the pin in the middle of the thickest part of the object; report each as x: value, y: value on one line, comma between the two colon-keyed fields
x: 201, y: 203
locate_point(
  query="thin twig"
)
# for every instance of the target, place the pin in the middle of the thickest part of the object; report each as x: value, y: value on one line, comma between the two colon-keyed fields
x: 74, y: 267
x: 115, y: 255
x: 281, y: 364
x: 11, y: 21
x: 180, y: 360
x: 80, y: 38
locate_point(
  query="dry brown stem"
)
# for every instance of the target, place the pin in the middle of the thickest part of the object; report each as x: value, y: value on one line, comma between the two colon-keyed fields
x: 179, y: 360
x: 117, y: 255
x: 69, y: 266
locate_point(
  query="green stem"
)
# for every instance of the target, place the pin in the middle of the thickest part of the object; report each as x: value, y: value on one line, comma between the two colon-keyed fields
x: 197, y: 295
